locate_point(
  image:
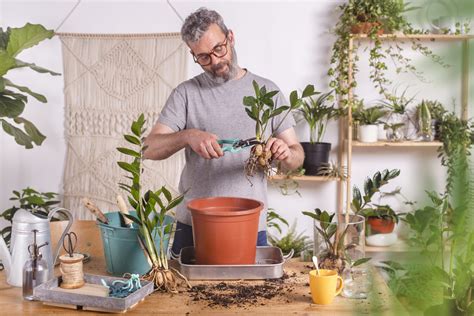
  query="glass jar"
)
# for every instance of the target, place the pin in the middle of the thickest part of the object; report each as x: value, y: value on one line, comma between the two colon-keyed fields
x: 351, y: 249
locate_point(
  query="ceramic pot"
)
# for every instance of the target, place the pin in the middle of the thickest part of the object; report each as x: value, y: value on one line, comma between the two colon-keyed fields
x: 380, y: 225
x: 316, y: 155
x: 368, y: 133
x: 225, y: 229
x: 365, y: 28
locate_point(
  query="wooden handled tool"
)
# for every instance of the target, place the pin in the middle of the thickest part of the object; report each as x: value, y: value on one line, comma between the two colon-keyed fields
x: 95, y: 210
x: 124, y: 210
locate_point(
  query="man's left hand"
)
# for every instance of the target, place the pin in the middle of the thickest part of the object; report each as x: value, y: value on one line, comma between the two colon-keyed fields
x: 279, y: 148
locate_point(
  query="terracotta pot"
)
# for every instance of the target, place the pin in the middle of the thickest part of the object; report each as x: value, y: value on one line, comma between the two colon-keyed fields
x: 225, y: 229
x: 381, y: 225
x: 365, y: 28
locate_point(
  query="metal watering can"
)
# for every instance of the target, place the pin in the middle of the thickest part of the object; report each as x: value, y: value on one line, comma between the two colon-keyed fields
x: 23, y: 224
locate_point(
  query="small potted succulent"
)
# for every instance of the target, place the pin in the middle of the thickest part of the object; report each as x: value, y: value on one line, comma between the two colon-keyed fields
x: 368, y: 118
x: 380, y: 218
x: 317, y: 112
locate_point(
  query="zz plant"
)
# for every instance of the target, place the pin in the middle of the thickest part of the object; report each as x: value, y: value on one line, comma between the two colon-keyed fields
x: 151, y: 208
x: 337, y: 254
x: 262, y: 109
x: 13, y: 97
x: 363, y: 204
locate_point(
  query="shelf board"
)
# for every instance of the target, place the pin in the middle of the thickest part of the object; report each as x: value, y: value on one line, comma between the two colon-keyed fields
x: 425, y: 37
x: 399, y: 246
x: 397, y: 144
x: 304, y: 178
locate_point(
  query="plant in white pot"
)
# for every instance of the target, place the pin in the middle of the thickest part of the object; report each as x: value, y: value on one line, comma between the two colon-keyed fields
x: 368, y: 118
x: 317, y: 112
x: 12, y: 103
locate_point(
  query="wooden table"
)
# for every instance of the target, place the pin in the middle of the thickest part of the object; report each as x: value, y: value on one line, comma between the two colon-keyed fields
x: 295, y: 301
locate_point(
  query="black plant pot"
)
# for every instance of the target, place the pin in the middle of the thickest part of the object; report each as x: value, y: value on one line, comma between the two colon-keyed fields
x: 316, y: 156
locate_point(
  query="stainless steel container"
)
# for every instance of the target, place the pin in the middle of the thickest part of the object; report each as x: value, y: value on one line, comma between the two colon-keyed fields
x: 268, y: 265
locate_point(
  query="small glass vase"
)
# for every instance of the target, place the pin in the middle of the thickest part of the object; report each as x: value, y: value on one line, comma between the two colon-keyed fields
x: 355, y: 278
x: 395, y: 135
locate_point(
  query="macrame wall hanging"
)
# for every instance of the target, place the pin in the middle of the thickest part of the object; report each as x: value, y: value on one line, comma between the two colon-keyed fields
x: 108, y: 81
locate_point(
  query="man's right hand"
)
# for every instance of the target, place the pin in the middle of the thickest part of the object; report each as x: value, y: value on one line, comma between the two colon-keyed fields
x: 204, y: 144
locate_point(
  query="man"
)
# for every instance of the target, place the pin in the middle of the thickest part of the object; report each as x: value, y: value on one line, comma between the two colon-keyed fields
x: 209, y: 107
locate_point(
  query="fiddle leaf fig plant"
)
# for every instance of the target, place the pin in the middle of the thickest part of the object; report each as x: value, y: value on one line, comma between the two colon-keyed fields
x: 13, y: 97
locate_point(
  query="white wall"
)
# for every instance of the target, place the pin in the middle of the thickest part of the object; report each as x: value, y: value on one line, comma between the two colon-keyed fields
x: 286, y: 41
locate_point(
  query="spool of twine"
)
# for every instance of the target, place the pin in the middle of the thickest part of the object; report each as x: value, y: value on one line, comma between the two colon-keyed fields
x: 71, y: 271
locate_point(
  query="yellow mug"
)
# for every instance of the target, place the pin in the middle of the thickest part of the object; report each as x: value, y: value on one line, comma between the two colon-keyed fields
x: 324, y: 286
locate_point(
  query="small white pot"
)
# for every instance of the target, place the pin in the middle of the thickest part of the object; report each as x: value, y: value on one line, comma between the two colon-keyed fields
x: 368, y: 133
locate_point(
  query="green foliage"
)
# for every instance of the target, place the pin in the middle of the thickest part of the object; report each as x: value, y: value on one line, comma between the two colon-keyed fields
x: 456, y: 135
x: 436, y: 109
x: 30, y: 200
x: 328, y: 229
x: 386, y: 15
x: 12, y: 104
x: 318, y: 112
x: 151, y: 206
x: 262, y: 108
x: 292, y: 240
x: 273, y: 218
x: 369, y: 116
x: 363, y: 205
x: 424, y: 116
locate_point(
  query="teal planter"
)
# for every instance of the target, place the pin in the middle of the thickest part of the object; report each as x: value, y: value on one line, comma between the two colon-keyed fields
x: 122, y: 249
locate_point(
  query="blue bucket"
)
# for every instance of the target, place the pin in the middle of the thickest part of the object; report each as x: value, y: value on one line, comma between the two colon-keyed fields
x: 121, y: 246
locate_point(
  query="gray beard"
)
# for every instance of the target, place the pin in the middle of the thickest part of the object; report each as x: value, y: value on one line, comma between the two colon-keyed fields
x: 233, y: 71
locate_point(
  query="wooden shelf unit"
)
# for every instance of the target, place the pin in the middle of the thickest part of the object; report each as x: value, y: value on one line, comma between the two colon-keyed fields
x: 397, y: 144
x: 348, y: 143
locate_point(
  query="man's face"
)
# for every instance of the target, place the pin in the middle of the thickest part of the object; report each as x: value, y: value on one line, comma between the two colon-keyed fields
x: 212, y: 44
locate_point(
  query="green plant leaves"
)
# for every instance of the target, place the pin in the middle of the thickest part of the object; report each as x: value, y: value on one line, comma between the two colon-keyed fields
x: 25, y: 37
x: 37, y: 96
x: 6, y: 62
x: 132, y: 139
x: 129, y: 152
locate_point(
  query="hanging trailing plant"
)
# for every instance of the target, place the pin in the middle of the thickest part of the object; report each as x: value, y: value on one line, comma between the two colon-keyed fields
x: 151, y: 207
x: 383, y: 16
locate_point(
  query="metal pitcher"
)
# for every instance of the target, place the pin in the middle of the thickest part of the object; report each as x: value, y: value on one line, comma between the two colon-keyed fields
x: 23, y: 224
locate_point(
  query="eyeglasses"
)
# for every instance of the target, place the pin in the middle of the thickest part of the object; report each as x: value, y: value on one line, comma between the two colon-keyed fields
x: 205, y: 59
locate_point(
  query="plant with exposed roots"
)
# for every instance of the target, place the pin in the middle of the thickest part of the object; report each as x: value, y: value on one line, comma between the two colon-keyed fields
x: 262, y: 109
x: 151, y: 208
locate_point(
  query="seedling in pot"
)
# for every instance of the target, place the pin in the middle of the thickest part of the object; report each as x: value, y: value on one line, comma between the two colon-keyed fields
x: 262, y: 109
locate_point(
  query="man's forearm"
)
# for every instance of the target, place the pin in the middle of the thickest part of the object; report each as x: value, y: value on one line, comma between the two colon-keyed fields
x: 296, y: 158
x: 162, y: 146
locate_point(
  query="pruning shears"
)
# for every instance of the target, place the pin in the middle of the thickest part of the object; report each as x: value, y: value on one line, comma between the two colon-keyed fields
x: 234, y: 145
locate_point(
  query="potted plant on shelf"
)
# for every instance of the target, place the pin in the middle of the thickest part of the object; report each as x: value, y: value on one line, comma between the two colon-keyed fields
x: 381, y: 218
x: 367, y: 119
x: 437, y: 112
x: 317, y: 112
x: 151, y: 208
x: 12, y: 103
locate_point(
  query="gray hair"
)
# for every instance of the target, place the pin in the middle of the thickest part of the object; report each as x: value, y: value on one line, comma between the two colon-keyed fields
x: 198, y: 22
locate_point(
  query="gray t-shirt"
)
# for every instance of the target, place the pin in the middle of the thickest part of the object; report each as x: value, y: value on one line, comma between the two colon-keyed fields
x: 217, y: 108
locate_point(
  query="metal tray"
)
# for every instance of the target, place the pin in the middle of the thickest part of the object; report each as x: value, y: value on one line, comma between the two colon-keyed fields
x: 49, y: 293
x: 268, y: 265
